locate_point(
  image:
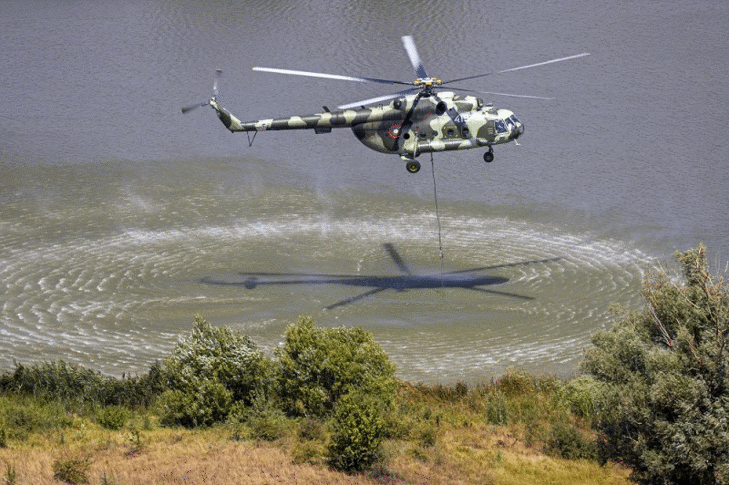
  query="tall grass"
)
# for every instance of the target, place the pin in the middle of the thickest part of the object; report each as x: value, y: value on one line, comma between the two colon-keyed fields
x: 71, y: 384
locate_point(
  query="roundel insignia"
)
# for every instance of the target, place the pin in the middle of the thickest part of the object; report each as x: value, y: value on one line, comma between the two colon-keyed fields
x: 394, y: 131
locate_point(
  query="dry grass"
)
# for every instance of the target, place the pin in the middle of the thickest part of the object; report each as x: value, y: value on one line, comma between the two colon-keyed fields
x: 166, y: 457
x: 441, y: 436
x: 470, y: 455
x: 491, y: 455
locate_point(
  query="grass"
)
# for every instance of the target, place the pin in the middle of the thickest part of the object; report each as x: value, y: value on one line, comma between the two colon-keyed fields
x: 503, y: 432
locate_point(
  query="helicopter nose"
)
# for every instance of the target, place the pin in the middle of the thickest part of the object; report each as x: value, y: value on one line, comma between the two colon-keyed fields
x: 517, y: 130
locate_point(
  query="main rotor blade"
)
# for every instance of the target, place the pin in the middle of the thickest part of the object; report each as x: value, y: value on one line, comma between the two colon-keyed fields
x: 499, y: 94
x: 520, y: 67
x: 515, y: 95
x: 409, y: 44
x: 329, y: 76
x: 378, y: 99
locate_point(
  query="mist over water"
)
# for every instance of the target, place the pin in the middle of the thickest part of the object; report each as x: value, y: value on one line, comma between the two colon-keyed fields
x: 120, y: 218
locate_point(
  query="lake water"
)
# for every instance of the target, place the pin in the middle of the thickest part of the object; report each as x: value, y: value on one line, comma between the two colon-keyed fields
x: 121, y: 219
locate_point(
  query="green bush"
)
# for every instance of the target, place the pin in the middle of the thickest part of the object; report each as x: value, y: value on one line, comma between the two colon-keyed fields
x: 72, y: 470
x: 318, y: 366
x: 205, y: 405
x: 22, y: 415
x: 112, y: 417
x: 582, y: 395
x: 219, y: 355
x: 665, y: 404
x: 358, y: 429
x: 568, y: 442
x: 268, y: 424
x: 312, y: 430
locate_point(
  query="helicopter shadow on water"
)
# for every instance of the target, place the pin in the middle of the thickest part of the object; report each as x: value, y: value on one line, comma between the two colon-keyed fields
x: 468, y: 279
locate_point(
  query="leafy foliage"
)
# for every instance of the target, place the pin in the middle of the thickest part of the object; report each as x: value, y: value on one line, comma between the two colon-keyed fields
x: 358, y: 429
x: 220, y: 355
x: 22, y: 415
x: 205, y: 405
x: 567, y: 441
x: 318, y: 366
x: 582, y: 395
x: 113, y: 417
x: 208, y: 370
x: 665, y: 409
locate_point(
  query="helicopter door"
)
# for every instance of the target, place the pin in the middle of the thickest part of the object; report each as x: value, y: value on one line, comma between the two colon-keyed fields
x: 490, y: 130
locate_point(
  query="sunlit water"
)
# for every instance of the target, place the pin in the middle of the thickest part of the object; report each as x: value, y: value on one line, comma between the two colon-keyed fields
x: 121, y: 219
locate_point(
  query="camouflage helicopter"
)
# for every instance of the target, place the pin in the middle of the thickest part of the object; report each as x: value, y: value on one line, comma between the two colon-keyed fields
x: 413, y: 121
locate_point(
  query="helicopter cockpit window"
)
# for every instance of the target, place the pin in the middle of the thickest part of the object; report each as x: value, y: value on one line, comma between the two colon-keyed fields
x: 514, y: 120
x: 500, y: 128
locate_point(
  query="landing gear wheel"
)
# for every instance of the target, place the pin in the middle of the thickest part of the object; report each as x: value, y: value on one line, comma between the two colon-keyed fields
x: 488, y: 157
x: 413, y: 166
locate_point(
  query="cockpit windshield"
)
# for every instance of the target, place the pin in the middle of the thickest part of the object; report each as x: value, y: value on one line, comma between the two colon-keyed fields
x: 512, y: 120
x: 499, y: 125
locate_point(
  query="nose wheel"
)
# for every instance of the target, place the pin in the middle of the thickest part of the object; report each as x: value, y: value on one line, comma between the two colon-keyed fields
x: 488, y: 157
x: 413, y: 166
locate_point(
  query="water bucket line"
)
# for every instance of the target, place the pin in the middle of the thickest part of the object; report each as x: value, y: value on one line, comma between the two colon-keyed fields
x: 437, y: 215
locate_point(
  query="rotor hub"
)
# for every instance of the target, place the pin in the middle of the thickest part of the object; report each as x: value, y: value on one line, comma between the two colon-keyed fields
x: 428, y: 82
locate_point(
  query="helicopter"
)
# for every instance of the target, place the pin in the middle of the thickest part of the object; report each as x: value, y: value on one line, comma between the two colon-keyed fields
x: 419, y: 119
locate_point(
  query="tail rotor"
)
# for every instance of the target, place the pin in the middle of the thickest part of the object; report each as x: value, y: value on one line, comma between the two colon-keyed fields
x: 218, y: 73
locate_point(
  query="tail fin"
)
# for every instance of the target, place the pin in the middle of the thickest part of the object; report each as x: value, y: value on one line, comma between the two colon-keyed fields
x: 230, y: 121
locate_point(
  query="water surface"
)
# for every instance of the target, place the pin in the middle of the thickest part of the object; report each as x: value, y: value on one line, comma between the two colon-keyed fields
x: 119, y: 215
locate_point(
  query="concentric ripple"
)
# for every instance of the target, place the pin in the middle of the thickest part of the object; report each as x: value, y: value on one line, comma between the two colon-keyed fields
x: 112, y: 286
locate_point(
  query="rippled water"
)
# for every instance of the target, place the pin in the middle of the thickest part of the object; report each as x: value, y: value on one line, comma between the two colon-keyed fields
x: 121, y: 219
x: 109, y: 274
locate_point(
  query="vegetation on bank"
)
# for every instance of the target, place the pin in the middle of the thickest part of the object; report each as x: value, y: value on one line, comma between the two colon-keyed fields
x: 664, y: 373
x: 326, y: 408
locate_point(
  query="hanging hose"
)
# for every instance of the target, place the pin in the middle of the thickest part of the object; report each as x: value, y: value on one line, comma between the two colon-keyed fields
x: 437, y: 215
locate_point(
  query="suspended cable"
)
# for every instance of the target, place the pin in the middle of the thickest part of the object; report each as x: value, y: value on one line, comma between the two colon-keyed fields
x: 437, y: 215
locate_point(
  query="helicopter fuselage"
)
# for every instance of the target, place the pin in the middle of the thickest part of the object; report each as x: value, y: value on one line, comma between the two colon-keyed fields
x: 419, y: 119
x: 436, y: 122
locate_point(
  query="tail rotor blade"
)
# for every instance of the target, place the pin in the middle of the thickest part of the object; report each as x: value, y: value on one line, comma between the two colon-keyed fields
x: 187, y: 109
x: 218, y: 74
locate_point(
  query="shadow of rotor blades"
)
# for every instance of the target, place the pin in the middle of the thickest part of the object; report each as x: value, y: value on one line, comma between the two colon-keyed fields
x: 507, y: 265
x: 353, y: 299
x: 390, y: 248
x: 502, y: 293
